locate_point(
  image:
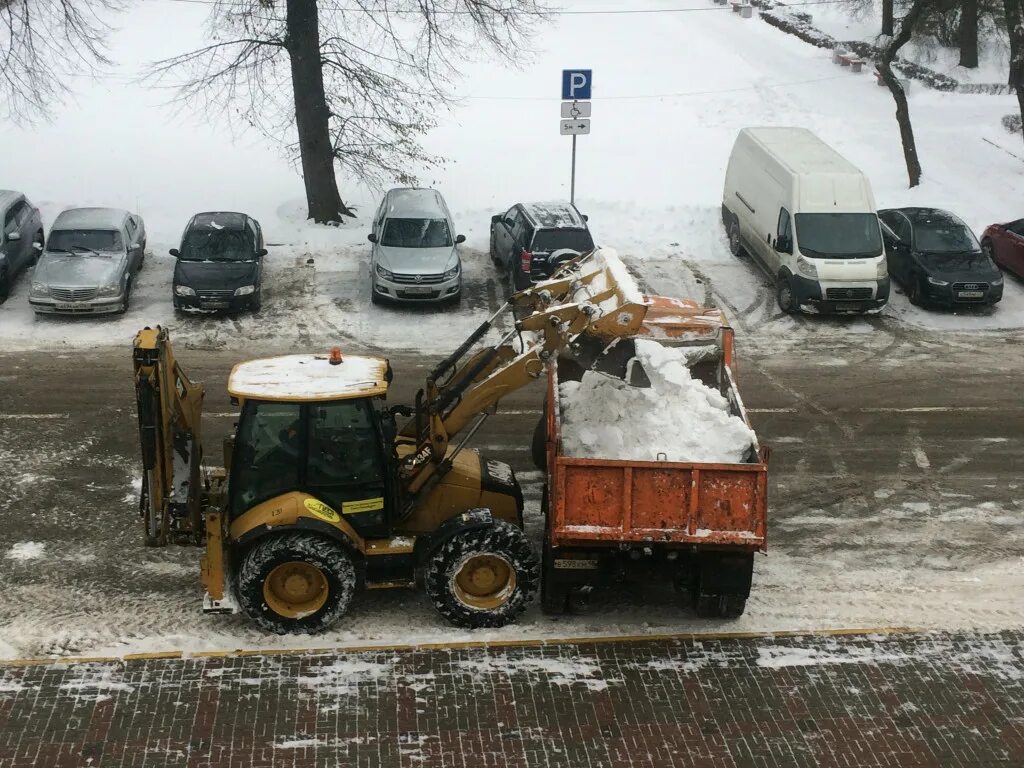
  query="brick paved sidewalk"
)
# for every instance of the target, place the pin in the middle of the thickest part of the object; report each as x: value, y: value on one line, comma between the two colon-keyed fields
x: 899, y: 700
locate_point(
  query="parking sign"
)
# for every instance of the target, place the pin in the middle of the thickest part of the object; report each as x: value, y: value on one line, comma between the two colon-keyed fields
x: 576, y: 84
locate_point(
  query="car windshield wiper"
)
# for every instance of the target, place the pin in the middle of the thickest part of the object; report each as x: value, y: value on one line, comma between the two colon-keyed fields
x: 85, y: 248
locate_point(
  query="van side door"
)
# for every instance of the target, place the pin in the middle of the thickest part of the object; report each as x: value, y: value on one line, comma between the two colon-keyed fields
x: 782, y: 243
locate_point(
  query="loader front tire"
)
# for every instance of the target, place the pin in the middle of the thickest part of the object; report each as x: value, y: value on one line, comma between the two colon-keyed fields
x: 483, y: 577
x: 296, y: 582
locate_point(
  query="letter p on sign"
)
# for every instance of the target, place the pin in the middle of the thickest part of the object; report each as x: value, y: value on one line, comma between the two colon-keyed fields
x: 576, y: 84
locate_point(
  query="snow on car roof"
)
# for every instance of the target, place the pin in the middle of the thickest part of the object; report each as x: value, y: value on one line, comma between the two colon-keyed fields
x: 554, y: 214
x: 218, y: 220
x: 415, y: 203
x: 308, y: 377
x: 90, y: 218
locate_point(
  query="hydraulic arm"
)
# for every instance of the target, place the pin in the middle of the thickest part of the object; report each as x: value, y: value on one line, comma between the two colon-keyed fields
x: 584, y: 304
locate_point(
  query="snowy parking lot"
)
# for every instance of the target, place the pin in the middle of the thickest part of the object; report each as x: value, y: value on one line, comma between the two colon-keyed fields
x: 895, y: 493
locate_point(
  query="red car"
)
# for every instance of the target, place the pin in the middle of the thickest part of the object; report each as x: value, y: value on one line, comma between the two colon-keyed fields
x: 1004, y: 243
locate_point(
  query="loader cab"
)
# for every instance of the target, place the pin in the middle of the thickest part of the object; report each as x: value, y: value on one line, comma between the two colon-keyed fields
x: 311, y: 427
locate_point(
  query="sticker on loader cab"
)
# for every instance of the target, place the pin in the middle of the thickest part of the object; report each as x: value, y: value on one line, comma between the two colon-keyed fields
x: 321, y: 510
x: 362, y: 505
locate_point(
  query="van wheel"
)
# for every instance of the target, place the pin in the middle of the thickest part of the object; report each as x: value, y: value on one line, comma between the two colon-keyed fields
x: 785, y: 296
x: 735, y: 244
x: 493, y: 251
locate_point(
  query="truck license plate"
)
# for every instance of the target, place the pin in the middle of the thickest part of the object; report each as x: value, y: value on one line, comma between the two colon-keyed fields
x: 970, y: 294
x: 575, y: 564
x: 69, y: 305
x: 847, y: 307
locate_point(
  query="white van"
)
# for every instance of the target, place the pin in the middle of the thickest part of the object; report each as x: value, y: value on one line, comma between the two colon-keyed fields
x: 807, y: 216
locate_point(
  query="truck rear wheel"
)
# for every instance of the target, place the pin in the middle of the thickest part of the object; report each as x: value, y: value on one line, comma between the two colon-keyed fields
x: 720, y: 606
x: 296, y: 582
x: 483, y: 577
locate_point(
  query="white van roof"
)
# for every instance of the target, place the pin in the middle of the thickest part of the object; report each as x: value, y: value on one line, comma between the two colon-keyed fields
x: 801, y: 151
x: 827, y: 180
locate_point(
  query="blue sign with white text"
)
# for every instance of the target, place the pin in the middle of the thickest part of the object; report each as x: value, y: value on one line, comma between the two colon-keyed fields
x: 576, y: 84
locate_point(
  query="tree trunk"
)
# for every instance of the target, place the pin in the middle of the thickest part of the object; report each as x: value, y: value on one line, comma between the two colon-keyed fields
x: 887, y: 17
x: 969, y: 34
x: 312, y: 117
x: 899, y: 95
x: 1015, y: 27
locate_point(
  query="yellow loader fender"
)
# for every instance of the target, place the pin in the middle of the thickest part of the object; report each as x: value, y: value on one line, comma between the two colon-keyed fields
x: 293, y: 511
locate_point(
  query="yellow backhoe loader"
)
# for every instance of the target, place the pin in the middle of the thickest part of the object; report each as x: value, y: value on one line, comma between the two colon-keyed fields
x: 322, y: 494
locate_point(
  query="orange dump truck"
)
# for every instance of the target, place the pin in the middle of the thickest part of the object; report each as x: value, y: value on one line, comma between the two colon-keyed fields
x: 696, y: 524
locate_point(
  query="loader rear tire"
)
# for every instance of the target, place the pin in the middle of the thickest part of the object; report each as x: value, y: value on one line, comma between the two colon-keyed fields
x: 296, y: 582
x: 483, y: 577
x: 720, y: 606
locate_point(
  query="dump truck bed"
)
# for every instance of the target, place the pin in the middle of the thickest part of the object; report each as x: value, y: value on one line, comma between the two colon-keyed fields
x: 596, y: 501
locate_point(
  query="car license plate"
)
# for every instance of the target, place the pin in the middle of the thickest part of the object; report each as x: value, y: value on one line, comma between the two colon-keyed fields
x: 970, y: 294
x: 215, y: 304
x: 69, y: 306
x: 418, y: 289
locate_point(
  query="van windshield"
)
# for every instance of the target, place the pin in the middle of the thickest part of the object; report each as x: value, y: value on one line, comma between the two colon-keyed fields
x: 416, y: 233
x: 839, y: 235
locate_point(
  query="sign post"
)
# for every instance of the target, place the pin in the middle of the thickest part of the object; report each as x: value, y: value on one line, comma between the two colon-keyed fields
x: 575, y: 121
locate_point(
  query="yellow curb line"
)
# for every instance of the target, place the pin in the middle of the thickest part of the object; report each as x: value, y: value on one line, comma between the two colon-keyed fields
x: 464, y: 645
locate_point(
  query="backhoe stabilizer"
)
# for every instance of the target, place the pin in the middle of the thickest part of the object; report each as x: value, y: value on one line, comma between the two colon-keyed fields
x: 170, y: 438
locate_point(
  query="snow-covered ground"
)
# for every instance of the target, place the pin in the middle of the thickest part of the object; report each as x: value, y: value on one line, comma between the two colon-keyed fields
x: 671, y: 90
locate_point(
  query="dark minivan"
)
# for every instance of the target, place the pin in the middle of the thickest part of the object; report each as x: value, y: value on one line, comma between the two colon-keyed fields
x: 220, y: 263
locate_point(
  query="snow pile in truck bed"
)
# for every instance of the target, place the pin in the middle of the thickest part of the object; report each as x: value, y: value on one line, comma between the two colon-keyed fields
x: 604, y: 417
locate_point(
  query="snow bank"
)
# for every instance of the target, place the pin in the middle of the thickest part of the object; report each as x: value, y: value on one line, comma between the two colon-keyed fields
x: 26, y: 550
x: 604, y: 417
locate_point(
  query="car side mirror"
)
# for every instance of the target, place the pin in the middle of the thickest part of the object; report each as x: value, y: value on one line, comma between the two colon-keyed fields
x: 13, y: 237
x: 585, y: 217
x: 460, y: 239
x: 508, y: 222
x: 261, y: 252
x: 174, y: 252
x: 371, y: 237
x: 783, y: 244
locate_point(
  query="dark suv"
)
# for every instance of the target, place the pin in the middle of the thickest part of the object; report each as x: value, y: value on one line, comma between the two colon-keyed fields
x: 220, y: 263
x: 530, y: 240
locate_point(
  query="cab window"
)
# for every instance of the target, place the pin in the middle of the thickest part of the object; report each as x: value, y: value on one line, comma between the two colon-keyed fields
x: 268, y: 454
x: 346, y: 461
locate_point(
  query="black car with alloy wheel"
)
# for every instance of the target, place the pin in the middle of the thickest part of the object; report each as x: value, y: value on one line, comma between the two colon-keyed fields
x: 220, y: 264
x: 937, y: 259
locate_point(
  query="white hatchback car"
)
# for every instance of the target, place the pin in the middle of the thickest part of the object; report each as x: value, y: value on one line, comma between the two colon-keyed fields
x: 415, y: 255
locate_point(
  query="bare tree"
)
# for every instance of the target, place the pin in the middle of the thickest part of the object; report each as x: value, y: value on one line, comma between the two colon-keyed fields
x: 899, y: 95
x: 1015, y: 27
x: 969, y: 34
x: 43, y: 45
x: 887, y: 20
x: 357, y: 82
